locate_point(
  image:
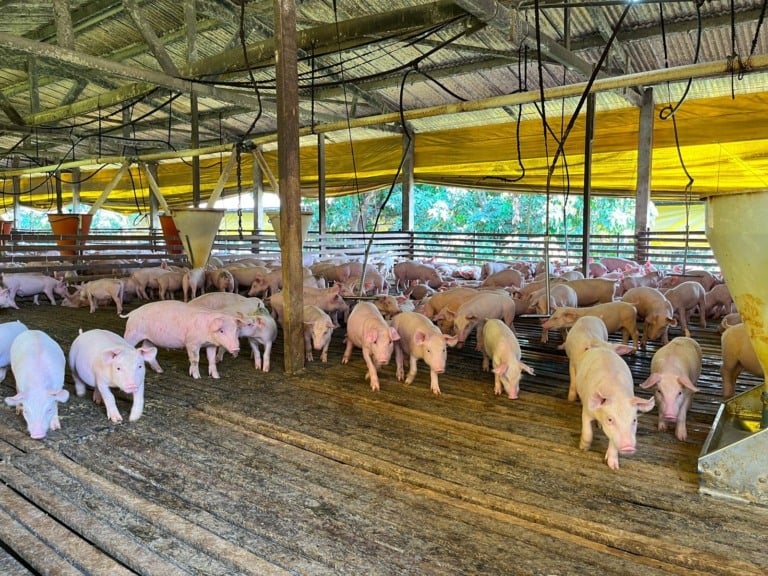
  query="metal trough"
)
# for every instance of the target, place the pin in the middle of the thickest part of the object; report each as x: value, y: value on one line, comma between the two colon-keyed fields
x: 274, y: 219
x: 734, y: 459
x: 197, y: 230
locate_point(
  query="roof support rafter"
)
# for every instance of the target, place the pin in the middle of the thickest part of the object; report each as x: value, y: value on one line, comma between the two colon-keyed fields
x: 154, y: 43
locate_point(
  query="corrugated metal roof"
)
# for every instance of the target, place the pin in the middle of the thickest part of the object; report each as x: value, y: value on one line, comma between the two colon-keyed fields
x: 438, y: 53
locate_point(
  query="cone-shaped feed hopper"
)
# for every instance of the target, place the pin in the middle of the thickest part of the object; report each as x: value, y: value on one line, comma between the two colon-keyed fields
x: 734, y: 459
x: 274, y: 219
x: 197, y: 230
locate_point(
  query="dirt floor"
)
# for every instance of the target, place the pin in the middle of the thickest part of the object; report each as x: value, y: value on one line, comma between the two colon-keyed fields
x: 313, y: 474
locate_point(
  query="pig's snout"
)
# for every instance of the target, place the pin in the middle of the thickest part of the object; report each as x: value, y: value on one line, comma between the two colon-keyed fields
x: 37, y: 433
x: 627, y: 449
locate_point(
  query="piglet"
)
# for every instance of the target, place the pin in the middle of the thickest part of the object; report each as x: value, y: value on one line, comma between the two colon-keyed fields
x: 501, y: 347
x: 102, y: 360
x: 675, y: 368
x: 38, y: 366
x: 420, y: 339
x: 318, y: 329
x: 8, y: 333
x: 604, y: 385
x: 367, y: 330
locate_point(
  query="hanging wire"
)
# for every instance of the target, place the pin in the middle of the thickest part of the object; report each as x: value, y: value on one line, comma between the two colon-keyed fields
x: 760, y: 20
x: 238, y: 152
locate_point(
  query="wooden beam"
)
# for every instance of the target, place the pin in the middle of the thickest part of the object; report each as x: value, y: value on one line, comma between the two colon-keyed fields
x: 154, y: 188
x: 65, y: 36
x: 148, y: 33
x: 223, y: 177
x: 109, y: 187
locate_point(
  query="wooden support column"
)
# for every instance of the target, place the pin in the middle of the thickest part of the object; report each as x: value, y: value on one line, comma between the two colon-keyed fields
x: 195, y: 121
x: 258, y: 196
x: 321, y: 208
x: 59, y: 193
x: 75, y: 190
x: 154, y: 205
x: 16, y: 185
x: 587, y: 220
x: 644, y: 166
x: 289, y: 182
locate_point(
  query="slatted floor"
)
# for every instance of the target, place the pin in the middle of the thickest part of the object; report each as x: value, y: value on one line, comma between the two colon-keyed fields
x: 315, y: 474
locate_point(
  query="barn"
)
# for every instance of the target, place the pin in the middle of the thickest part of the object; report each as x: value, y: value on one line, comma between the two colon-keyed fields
x: 304, y: 469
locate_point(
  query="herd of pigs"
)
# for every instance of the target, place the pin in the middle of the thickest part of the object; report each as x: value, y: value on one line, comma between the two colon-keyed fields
x: 416, y: 310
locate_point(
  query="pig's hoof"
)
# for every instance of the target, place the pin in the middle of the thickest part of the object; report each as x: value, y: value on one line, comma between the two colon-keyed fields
x: 116, y: 418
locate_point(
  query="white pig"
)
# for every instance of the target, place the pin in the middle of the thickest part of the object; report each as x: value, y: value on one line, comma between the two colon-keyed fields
x: 318, y: 329
x: 193, y: 282
x: 367, y: 330
x: 738, y: 356
x: 675, y: 369
x: 5, y: 299
x: 604, y: 385
x: 33, y: 284
x: 103, y: 289
x: 420, y: 339
x: 479, y: 308
x: 616, y: 315
x: 501, y: 347
x: 173, y: 324
x: 38, y: 365
x: 8, y: 333
x: 102, y: 360
x: 587, y: 332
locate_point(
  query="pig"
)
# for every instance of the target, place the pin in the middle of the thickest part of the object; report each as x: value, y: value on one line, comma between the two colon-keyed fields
x: 173, y: 324
x: 586, y: 333
x: 388, y: 306
x: 651, y: 278
x: 593, y: 290
x: 616, y: 316
x: 408, y: 271
x: 318, y: 330
x: 560, y: 295
x: 451, y: 299
x: 168, y: 283
x: 5, y: 299
x: 675, y: 369
x: 8, y: 333
x: 604, y: 385
x: 255, y: 323
x: 685, y: 298
x: 328, y: 299
x: 101, y: 359
x: 616, y: 263
x: 738, y: 356
x: 475, y: 311
x: 38, y: 365
x: 729, y: 320
x: 572, y: 275
x: 504, y: 278
x: 420, y: 292
x: 245, y: 275
x: 367, y: 330
x: 193, y: 283
x: 718, y: 301
x: 502, y: 349
x: 266, y: 284
x: 420, y: 339
x: 33, y: 284
x: 596, y: 270
x: 655, y: 311
x: 103, y: 289
x: 146, y: 280
x: 703, y: 277
x: 220, y: 279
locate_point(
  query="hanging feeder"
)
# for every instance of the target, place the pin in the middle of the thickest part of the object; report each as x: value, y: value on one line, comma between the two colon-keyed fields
x: 734, y: 459
x: 68, y: 228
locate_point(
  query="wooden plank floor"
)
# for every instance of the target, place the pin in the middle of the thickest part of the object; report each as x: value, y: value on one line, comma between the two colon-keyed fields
x: 315, y: 474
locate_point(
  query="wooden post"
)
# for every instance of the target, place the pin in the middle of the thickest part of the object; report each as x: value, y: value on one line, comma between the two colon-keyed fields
x: 321, y: 189
x: 644, y: 165
x: 289, y: 182
x: 587, y: 220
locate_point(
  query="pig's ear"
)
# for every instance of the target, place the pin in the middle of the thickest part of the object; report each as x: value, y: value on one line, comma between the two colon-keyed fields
x: 451, y: 340
x: 110, y: 354
x: 644, y: 405
x: 622, y: 349
x: 148, y: 353
x: 651, y: 381
x: 419, y: 337
x: 15, y: 400
x: 686, y: 382
x: 393, y: 334
x: 597, y: 400
x: 60, y: 395
x: 524, y: 367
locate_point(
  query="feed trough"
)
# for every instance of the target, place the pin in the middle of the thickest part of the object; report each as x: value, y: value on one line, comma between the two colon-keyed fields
x: 274, y: 219
x: 734, y: 459
x: 197, y: 230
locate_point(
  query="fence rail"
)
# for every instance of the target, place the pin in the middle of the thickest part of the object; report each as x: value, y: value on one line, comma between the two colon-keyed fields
x: 46, y: 252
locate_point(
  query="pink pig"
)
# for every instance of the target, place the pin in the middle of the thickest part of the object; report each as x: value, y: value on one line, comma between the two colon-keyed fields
x: 738, y: 356
x: 33, y: 284
x: 604, y: 385
x: 102, y: 360
x: 675, y: 368
x: 501, y: 347
x: 685, y: 298
x: 616, y: 316
x: 8, y: 333
x: 655, y: 310
x: 367, y: 330
x: 420, y: 339
x: 173, y: 324
x: 38, y: 364
x: 481, y: 307
x: 318, y: 330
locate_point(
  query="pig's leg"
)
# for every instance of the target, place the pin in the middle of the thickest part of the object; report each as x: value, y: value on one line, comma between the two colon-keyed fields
x: 193, y: 353
x: 412, y: 370
x: 3, y: 372
x: 572, y: 394
x: 49, y: 293
x: 324, y: 354
x: 137, y: 408
x: 399, y: 371
x: 266, y: 355
x: 55, y: 424
x: 109, y: 401
x: 681, y: 429
x: 586, y: 431
x: 308, y: 345
x: 255, y: 353
x: 372, y: 374
x: 347, y: 352
x: 612, y: 456
x: 544, y: 335
x: 92, y: 303
x: 433, y: 383
x: 118, y: 303
x: 729, y: 371
x: 486, y: 362
x: 210, y: 352
x: 79, y: 384
x: 497, y: 386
